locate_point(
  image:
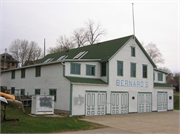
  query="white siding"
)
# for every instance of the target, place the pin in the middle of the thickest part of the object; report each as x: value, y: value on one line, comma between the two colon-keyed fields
x: 51, y: 78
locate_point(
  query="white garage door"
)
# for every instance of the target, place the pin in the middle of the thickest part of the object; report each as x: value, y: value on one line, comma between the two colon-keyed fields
x: 95, y: 103
x: 119, y: 103
x: 144, y: 102
x: 162, y: 104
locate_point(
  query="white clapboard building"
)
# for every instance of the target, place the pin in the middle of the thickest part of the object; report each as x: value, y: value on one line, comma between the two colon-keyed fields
x: 111, y: 77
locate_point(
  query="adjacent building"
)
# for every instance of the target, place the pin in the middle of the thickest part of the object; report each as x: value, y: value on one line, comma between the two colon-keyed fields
x: 8, y: 62
x: 111, y: 77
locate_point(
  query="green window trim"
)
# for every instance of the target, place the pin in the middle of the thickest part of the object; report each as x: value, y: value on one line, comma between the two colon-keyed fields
x: 160, y: 77
x: 53, y: 92
x: 22, y: 91
x: 103, y: 69
x: 38, y: 71
x: 120, y: 68
x: 145, y: 71
x: 90, y: 70
x: 37, y: 91
x: 23, y: 73
x: 75, y: 68
x: 133, y: 70
x: 13, y: 74
x: 12, y: 90
x: 133, y: 51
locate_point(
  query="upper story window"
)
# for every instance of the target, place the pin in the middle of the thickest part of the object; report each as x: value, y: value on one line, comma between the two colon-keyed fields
x: 154, y: 76
x: 75, y: 68
x: 23, y: 73
x: 133, y: 69
x: 38, y: 71
x: 133, y: 51
x: 144, y: 71
x: 103, y: 69
x: 120, y: 68
x: 160, y: 77
x: 90, y: 70
x: 13, y: 64
x: 13, y: 74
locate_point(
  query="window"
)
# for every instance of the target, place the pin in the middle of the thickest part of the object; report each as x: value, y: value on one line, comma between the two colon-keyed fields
x: 2, y: 64
x: 22, y: 91
x: 38, y: 71
x: 22, y: 73
x: 12, y: 90
x: 133, y: 69
x: 133, y: 51
x: 13, y: 64
x: 144, y: 71
x: 120, y: 68
x: 62, y: 57
x: 90, y: 70
x: 37, y: 91
x: 154, y: 76
x: 13, y: 74
x: 53, y: 92
x: 103, y: 69
x: 75, y: 68
x: 8, y: 65
x: 160, y: 77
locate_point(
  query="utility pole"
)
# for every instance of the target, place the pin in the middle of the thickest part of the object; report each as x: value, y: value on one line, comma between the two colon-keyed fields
x: 133, y: 19
x: 5, y: 57
x: 44, y: 47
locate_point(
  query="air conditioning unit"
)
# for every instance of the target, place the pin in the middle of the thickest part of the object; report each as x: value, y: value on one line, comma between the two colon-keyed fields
x: 42, y: 104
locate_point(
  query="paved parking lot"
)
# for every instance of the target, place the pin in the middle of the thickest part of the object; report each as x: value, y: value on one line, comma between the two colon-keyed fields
x: 139, y: 123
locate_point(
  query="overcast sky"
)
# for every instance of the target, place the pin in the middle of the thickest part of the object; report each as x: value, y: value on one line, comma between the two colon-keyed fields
x: 155, y: 21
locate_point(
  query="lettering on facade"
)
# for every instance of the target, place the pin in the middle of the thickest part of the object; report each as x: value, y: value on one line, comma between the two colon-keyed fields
x: 45, y: 102
x: 129, y: 83
x: 78, y: 100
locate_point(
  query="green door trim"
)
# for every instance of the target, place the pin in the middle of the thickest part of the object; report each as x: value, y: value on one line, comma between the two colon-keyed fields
x: 151, y: 99
x: 166, y: 99
x: 121, y: 98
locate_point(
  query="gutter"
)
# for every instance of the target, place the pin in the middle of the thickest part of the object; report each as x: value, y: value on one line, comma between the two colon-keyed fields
x: 92, y: 84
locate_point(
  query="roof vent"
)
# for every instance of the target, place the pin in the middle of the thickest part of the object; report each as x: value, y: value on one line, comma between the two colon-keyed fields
x: 62, y: 57
x: 80, y: 55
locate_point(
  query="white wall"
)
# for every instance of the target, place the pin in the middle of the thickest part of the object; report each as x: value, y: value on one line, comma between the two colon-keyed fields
x: 51, y: 78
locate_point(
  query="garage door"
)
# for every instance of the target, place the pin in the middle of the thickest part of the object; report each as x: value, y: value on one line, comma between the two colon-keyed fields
x: 144, y: 102
x: 95, y: 103
x: 162, y: 104
x: 119, y: 103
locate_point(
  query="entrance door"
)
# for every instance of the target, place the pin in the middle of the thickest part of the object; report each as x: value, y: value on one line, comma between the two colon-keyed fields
x: 95, y: 103
x: 144, y: 102
x: 119, y: 103
x: 162, y: 104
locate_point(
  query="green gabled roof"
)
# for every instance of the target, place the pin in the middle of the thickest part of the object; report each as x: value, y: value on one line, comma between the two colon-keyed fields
x: 86, y: 80
x: 103, y: 50
x: 161, y: 85
x: 160, y: 71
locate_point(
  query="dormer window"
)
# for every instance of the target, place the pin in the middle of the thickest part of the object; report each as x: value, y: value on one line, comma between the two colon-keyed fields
x: 80, y: 55
x: 62, y: 57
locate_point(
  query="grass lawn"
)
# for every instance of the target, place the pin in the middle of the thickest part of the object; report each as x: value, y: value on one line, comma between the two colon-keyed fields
x: 28, y: 124
x: 176, y: 102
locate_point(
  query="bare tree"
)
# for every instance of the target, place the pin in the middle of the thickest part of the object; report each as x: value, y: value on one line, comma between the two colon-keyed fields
x: 94, y: 32
x: 79, y: 37
x: 165, y: 69
x: 154, y: 53
x: 22, y: 51
x: 177, y: 80
x: 62, y: 44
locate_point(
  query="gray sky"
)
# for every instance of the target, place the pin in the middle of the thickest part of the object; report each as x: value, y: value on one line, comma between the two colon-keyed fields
x: 155, y: 21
